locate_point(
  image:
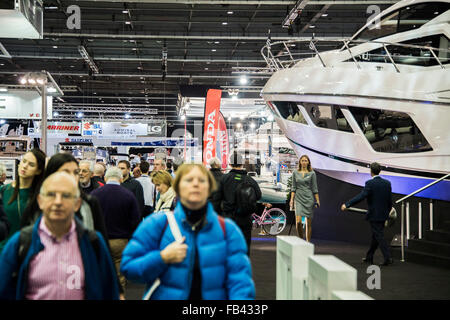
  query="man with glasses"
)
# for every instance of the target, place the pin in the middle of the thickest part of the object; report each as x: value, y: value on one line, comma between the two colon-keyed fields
x: 87, y: 183
x: 57, y: 258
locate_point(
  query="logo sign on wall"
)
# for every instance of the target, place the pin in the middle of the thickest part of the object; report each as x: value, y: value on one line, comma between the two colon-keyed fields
x: 157, y: 129
x: 23, y: 104
x: 91, y: 129
x: 108, y: 130
x: 56, y: 128
x: 127, y: 131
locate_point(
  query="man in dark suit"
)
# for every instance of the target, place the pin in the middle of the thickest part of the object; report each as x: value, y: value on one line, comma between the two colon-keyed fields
x: 377, y: 191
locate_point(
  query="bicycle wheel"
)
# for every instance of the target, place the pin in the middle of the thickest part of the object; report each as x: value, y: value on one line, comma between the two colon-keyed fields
x: 274, y: 221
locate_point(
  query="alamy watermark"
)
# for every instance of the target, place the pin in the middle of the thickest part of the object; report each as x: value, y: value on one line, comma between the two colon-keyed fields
x: 74, y: 20
x: 374, y: 280
x: 374, y: 10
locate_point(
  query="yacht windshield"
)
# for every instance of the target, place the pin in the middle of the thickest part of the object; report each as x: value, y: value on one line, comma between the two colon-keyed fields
x: 404, y: 19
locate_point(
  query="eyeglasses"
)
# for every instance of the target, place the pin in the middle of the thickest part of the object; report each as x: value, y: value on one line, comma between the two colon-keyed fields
x: 64, y: 195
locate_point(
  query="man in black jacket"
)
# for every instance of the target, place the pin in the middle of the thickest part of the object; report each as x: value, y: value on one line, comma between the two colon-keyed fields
x: 224, y: 200
x: 379, y: 199
x: 216, y: 171
x: 132, y: 184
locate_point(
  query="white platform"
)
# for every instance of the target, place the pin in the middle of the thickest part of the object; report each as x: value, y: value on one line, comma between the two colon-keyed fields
x: 326, y: 274
x: 349, y: 295
x: 292, y: 267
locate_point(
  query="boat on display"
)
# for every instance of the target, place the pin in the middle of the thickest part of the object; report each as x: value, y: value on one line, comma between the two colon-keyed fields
x: 384, y: 96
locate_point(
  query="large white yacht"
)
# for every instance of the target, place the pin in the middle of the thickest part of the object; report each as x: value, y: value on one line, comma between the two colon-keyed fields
x: 384, y: 96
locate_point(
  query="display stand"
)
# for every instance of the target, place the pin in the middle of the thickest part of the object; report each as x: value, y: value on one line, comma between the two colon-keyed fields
x: 327, y: 274
x: 292, y: 267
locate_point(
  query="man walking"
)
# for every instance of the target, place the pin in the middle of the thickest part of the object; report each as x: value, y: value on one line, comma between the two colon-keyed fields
x: 132, y: 184
x: 148, y: 187
x: 379, y: 199
x: 57, y: 258
x: 121, y: 213
x: 236, y: 193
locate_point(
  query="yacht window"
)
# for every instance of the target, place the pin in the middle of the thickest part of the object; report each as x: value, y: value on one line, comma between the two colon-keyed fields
x: 289, y: 111
x: 390, y: 131
x: 409, y: 55
x: 327, y: 116
x: 408, y: 18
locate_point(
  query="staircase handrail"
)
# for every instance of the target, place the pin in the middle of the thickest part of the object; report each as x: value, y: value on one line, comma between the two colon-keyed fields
x: 423, y: 188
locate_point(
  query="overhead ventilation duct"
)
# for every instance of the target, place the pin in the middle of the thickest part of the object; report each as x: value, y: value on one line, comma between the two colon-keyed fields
x: 22, y: 19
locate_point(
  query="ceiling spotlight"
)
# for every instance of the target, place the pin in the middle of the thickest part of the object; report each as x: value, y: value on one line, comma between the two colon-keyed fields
x: 252, y: 125
x: 127, y: 116
x: 243, y: 80
x: 216, y: 42
x: 238, y: 125
x: 31, y: 81
x: 312, y: 27
x: 55, y: 114
x: 213, y: 50
x: 230, y: 12
x: 224, y: 23
x: 55, y: 47
x: 325, y: 15
x: 79, y: 114
x: 23, y: 80
x: 124, y: 11
x: 3, y: 121
x: 127, y: 22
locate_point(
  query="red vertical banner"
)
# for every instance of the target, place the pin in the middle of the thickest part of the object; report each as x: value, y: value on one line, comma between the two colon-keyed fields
x: 211, y: 124
x: 224, y: 144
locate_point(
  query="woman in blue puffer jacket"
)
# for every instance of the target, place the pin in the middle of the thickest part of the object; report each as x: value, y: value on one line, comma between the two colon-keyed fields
x: 210, y: 263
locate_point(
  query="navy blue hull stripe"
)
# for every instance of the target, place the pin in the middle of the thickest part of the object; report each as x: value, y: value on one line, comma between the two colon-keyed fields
x: 366, y: 164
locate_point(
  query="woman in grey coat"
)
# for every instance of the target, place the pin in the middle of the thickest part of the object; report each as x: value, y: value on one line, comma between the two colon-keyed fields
x: 305, y: 195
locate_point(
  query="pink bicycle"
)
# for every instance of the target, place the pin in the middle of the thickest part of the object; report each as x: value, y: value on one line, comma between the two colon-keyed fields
x: 271, y: 220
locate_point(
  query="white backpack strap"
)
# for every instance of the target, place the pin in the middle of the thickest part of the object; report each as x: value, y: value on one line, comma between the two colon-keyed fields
x: 173, y: 225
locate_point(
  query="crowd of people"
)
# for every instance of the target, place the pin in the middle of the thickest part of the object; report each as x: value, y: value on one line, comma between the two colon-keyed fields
x: 74, y: 229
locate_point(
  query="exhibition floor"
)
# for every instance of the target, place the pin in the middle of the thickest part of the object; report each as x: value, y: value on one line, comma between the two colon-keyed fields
x: 400, y: 281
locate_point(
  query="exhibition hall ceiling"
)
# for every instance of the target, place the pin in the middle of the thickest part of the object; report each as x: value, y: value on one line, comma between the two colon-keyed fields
x: 145, y: 50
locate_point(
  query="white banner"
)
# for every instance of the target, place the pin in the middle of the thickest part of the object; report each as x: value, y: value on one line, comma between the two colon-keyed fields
x: 108, y: 130
x: 124, y: 130
x: 23, y: 104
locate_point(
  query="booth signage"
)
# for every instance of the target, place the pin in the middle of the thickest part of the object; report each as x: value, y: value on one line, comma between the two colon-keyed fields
x: 56, y: 128
x: 91, y: 129
x: 223, y: 142
x: 125, y: 130
x: 211, y: 124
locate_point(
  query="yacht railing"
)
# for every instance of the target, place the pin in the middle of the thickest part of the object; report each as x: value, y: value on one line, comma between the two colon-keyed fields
x: 402, y: 226
x: 402, y: 201
x: 284, y: 56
